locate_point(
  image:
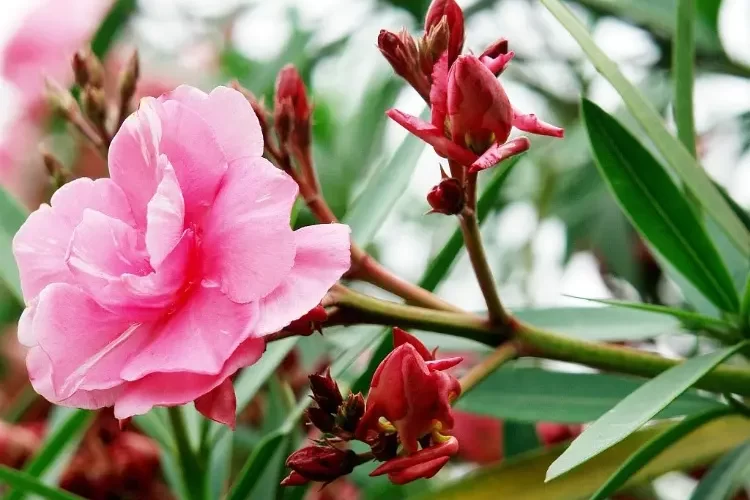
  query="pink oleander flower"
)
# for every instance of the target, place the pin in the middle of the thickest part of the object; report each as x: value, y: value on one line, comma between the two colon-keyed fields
x: 412, y: 392
x: 46, y: 41
x: 472, y: 116
x: 152, y: 287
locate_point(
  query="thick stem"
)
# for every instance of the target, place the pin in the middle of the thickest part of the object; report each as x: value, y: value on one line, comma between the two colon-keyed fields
x: 499, y: 356
x: 473, y: 242
x: 191, y: 469
x: 356, y: 308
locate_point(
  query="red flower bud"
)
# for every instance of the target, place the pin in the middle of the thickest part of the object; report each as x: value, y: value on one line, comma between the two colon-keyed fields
x: 322, y: 463
x: 292, y: 107
x: 478, y: 107
x: 294, y: 479
x: 447, y: 197
x: 455, y: 18
x: 326, y: 392
x: 351, y: 412
x: 412, y: 393
x: 403, y: 55
x: 321, y: 419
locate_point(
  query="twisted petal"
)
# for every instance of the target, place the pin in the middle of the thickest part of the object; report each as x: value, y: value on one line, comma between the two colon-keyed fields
x: 433, y: 136
x: 499, y: 152
x: 533, y: 125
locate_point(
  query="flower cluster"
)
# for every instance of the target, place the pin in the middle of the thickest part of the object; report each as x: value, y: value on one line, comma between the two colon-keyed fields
x: 406, y: 419
x: 471, y: 115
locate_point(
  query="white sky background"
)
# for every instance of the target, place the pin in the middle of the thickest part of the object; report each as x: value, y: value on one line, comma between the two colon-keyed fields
x: 406, y: 244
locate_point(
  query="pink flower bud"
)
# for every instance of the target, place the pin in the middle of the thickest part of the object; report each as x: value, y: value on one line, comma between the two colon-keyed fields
x: 322, y: 463
x: 455, y: 18
x: 447, y: 197
x: 478, y: 107
x: 410, y: 390
x: 292, y: 110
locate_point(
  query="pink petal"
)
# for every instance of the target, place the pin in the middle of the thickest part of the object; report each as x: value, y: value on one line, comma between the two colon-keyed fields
x: 220, y: 405
x: 165, y: 215
x: 230, y: 116
x: 40, y: 245
x: 248, y: 244
x: 499, y: 152
x: 197, y: 338
x: 170, y: 389
x: 433, y: 136
x: 85, y: 345
x: 498, y: 64
x: 322, y: 257
x: 189, y: 144
x: 533, y: 125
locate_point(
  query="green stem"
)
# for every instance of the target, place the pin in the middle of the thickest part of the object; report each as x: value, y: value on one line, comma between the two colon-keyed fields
x: 473, y: 242
x: 190, y: 466
x: 358, y: 308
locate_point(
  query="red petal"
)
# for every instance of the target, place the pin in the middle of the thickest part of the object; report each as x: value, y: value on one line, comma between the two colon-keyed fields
x: 533, y: 125
x: 422, y: 471
x: 220, y: 405
x: 401, y: 337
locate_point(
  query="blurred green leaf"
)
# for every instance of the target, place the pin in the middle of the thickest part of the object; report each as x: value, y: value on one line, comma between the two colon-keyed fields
x: 59, y: 445
x: 25, y: 483
x: 657, y: 207
x: 651, y: 449
x: 12, y: 216
x: 441, y: 264
x: 255, y: 466
x: 688, y: 318
x: 725, y: 478
x: 524, y: 478
x: 112, y: 25
x: 372, y: 207
x: 219, y: 466
x: 608, y: 324
x: 519, y: 438
x: 637, y: 408
x: 684, y: 165
x: 537, y: 395
x: 154, y: 425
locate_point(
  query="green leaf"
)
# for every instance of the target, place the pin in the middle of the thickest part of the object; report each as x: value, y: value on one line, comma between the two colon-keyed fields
x: 654, y: 447
x: 657, y: 207
x: 638, y: 408
x: 683, y: 68
x: 537, y: 395
x: 154, y: 425
x: 726, y: 476
x: 256, y: 464
x: 684, y: 165
x: 607, y: 324
x: 59, y: 445
x: 519, y: 438
x: 26, y: 483
x: 689, y: 319
x: 443, y: 261
x: 385, y: 188
x: 12, y: 216
x: 112, y: 25
x: 524, y: 477
x: 219, y: 466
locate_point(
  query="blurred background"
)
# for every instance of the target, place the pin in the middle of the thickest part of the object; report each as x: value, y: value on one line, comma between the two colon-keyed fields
x: 553, y: 232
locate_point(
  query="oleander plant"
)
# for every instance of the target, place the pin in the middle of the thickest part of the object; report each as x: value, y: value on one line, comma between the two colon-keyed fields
x: 223, y: 277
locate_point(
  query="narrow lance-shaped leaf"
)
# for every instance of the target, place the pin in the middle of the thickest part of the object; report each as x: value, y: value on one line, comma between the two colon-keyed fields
x: 655, y: 206
x: 637, y: 409
x: 726, y: 476
x: 678, y: 158
x: 26, y: 483
x: 651, y: 450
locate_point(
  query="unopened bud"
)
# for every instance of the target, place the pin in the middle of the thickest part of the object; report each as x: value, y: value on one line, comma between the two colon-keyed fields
x: 294, y: 479
x: 496, y: 56
x: 351, y: 412
x: 455, y: 19
x: 447, y: 197
x: 437, y: 39
x: 129, y: 79
x: 326, y: 392
x: 309, y: 322
x: 322, y: 463
x: 403, y: 54
x: 292, y: 108
x: 385, y: 446
x: 321, y: 419
x: 393, y: 50
x: 57, y: 171
x: 61, y: 100
x: 94, y: 104
x: 87, y: 69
